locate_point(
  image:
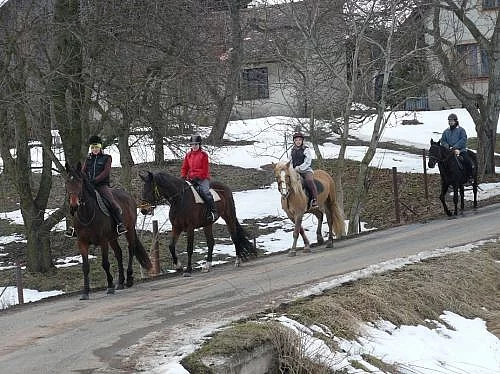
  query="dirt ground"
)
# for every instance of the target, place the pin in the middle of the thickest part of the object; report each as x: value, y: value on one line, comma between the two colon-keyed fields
x: 378, y: 212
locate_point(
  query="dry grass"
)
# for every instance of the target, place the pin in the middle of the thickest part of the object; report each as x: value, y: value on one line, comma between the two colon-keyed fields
x: 467, y: 284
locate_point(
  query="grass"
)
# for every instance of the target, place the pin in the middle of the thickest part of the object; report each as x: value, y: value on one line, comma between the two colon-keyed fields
x: 466, y: 284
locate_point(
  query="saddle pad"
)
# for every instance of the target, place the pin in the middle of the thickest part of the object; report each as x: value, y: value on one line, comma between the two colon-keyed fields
x: 103, y: 204
x: 197, y: 197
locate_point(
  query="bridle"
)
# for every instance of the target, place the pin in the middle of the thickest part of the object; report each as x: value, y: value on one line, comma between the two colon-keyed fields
x: 159, y: 198
x: 81, y: 202
x: 283, y: 181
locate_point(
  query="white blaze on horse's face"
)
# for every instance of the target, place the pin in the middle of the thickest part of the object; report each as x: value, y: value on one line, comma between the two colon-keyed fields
x: 282, y: 183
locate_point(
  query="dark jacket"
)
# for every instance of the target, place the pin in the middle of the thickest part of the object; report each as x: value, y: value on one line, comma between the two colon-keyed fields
x: 98, y: 168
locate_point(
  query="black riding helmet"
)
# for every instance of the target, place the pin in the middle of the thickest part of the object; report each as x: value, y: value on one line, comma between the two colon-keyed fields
x: 94, y: 139
x: 195, y: 139
x: 298, y: 135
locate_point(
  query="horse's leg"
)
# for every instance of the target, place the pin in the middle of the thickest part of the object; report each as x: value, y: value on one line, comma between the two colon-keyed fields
x: 173, y: 241
x: 319, y: 235
x: 84, y: 251
x: 106, y: 266
x: 119, y: 259
x: 474, y: 191
x: 462, y: 203
x: 190, y: 242
x: 209, y: 236
x: 298, y: 229
x: 442, y: 197
x: 455, y: 199
x: 130, y: 235
x: 329, y: 220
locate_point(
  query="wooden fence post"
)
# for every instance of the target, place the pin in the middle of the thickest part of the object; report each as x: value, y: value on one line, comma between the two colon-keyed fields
x: 19, y: 283
x: 155, y: 256
x: 396, y: 193
x: 426, y: 180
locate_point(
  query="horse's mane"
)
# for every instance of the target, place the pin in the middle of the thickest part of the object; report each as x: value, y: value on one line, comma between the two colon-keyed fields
x: 295, y: 181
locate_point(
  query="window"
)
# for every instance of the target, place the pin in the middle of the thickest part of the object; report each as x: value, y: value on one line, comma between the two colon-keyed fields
x: 491, y: 4
x: 473, y: 61
x: 254, y: 84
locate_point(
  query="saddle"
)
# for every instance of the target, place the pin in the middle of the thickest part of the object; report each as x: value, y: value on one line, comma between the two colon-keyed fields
x: 104, y: 204
x: 305, y: 187
x: 197, y: 197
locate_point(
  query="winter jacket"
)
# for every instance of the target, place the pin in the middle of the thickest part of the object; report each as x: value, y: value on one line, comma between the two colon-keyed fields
x: 195, y: 165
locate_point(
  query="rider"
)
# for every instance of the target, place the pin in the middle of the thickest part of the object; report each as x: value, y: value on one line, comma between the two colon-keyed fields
x: 97, y: 167
x: 455, y: 138
x: 196, y: 169
x: 301, y: 158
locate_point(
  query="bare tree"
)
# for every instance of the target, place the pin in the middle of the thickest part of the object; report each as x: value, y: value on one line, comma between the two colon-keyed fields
x: 483, y: 107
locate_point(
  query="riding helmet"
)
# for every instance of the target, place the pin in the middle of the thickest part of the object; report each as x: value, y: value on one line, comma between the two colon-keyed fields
x: 195, y: 139
x: 94, y: 139
x: 298, y: 135
x: 453, y: 117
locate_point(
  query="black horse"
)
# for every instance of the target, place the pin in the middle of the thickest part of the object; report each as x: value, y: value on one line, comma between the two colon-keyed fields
x: 186, y: 215
x: 453, y: 173
x: 94, y: 227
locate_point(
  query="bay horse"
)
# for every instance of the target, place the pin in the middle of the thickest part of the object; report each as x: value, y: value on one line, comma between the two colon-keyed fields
x: 295, y: 203
x: 92, y: 226
x: 452, y: 173
x: 186, y: 215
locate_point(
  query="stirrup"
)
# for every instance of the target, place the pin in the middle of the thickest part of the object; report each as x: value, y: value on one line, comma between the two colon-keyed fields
x: 212, y: 216
x: 314, y: 203
x: 70, y: 233
x: 121, y: 229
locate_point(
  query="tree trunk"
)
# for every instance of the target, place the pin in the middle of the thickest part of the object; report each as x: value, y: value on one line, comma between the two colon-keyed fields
x: 226, y: 100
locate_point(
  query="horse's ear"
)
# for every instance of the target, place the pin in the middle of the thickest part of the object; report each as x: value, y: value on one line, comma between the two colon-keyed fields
x: 432, y: 141
x: 288, y: 164
x: 67, y: 167
x: 79, y: 166
x: 145, y: 175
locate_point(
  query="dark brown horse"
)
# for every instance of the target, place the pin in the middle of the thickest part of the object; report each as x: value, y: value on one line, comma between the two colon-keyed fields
x: 95, y: 227
x: 186, y: 215
x: 452, y: 174
x: 294, y: 202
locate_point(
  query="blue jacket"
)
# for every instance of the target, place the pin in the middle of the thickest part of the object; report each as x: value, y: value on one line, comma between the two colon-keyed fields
x: 455, y: 138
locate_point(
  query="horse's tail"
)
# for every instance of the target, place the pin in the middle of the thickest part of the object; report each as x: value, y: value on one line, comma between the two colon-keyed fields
x: 141, y: 254
x: 244, y: 247
x: 338, y: 222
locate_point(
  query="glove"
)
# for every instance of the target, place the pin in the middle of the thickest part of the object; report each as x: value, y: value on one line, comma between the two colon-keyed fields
x: 297, y: 169
x: 183, y: 177
x: 457, y: 152
x: 92, y: 182
x: 196, y: 180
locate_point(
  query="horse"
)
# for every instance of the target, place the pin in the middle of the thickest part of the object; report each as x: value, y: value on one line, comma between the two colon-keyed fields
x: 93, y: 226
x: 186, y: 214
x: 295, y: 203
x: 452, y: 174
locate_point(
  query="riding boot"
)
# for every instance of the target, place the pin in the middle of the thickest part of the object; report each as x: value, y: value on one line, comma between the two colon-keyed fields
x: 314, y: 193
x: 212, y: 214
x: 120, y: 227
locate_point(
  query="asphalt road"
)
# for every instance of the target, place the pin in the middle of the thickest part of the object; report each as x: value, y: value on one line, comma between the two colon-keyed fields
x: 139, y: 328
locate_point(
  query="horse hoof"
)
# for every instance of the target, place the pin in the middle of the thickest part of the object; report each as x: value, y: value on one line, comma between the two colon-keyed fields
x: 307, y: 250
x: 129, y: 283
x: 84, y: 296
x: 120, y: 287
x: 237, y: 262
x: 329, y: 245
x: 111, y: 291
x: 292, y: 253
x: 206, y: 267
x: 186, y: 274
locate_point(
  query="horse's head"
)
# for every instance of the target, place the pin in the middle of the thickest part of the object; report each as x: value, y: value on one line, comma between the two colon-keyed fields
x: 286, y: 178
x: 282, y: 176
x: 435, y: 153
x: 75, y: 184
x: 148, y: 198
